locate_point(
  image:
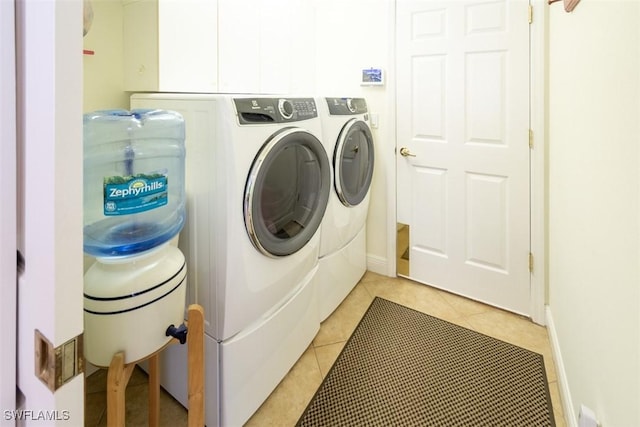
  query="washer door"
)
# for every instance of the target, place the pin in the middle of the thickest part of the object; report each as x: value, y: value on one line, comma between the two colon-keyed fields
x: 353, y: 162
x: 286, y: 193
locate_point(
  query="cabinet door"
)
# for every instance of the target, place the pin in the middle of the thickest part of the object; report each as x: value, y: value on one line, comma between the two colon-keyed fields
x: 239, y: 36
x: 287, y: 54
x: 302, y: 48
x: 266, y: 47
x: 276, y: 56
x: 188, y: 46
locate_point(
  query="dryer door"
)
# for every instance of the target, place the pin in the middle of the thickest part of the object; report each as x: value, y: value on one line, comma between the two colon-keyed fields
x: 353, y: 162
x: 286, y: 192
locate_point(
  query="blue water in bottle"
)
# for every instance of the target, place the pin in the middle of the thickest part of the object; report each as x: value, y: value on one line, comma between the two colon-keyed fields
x: 134, y: 169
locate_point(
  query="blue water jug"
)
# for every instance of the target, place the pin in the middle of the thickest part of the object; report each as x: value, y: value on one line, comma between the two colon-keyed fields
x: 134, y: 192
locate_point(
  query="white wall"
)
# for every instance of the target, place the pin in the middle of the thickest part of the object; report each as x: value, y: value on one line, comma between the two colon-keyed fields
x: 594, y: 213
x: 103, y: 71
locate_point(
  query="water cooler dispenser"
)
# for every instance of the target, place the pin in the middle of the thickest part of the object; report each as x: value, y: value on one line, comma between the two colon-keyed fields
x: 134, y: 205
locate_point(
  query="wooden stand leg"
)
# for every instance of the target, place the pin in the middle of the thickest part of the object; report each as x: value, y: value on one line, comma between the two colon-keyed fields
x: 117, y: 379
x: 154, y: 391
x: 195, y: 343
x: 119, y: 374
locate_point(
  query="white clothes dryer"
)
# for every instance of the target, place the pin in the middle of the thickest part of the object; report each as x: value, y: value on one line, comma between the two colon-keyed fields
x: 257, y: 181
x: 349, y: 144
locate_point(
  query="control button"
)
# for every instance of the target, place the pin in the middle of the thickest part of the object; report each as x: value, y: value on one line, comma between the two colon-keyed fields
x: 286, y: 108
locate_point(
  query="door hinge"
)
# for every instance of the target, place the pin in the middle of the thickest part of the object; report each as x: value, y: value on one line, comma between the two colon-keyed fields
x: 530, y: 14
x: 530, y: 138
x: 57, y: 366
x: 530, y: 262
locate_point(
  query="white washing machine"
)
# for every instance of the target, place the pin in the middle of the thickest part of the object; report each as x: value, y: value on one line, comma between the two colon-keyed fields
x: 349, y: 144
x: 258, y: 181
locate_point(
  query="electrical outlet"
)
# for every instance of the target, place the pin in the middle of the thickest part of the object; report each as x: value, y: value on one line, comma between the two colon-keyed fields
x: 587, y: 418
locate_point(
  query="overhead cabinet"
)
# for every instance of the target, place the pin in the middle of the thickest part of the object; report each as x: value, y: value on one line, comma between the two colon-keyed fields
x: 266, y: 47
x: 224, y: 46
x: 170, y: 46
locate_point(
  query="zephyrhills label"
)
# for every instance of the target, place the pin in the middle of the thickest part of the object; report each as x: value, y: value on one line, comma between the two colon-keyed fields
x: 125, y: 195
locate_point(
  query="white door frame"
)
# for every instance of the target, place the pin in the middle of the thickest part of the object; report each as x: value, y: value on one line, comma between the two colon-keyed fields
x: 538, y: 195
x: 537, y: 163
x: 49, y: 175
x: 8, y: 244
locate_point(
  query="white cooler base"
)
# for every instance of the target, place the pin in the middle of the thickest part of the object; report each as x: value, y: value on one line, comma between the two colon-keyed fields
x: 241, y: 373
x: 339, y: 272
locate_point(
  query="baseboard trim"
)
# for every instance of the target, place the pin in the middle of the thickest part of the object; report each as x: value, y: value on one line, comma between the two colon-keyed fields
x: 378, y: 264
x: 89, y: 369
x: 563, y: 383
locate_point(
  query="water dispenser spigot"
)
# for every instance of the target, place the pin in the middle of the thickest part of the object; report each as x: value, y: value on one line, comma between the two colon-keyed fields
x: 179, y: 333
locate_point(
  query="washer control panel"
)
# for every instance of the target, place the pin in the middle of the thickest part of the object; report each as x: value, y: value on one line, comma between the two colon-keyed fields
x: 274, y: 110
x: 346, y: 106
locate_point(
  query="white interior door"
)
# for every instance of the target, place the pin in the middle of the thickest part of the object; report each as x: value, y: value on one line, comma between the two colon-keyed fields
x: 462, y: 124
x: 49, y: 169
x: 8, y: 212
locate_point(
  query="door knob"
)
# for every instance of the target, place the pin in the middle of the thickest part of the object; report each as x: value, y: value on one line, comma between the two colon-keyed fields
x: 404, y: 151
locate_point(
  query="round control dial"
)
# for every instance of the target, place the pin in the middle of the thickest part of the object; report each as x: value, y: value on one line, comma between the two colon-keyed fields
x: 350, y: 105
x: 285, y: 107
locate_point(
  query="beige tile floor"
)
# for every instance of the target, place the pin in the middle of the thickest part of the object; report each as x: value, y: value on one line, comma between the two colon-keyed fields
x: 288, y: 400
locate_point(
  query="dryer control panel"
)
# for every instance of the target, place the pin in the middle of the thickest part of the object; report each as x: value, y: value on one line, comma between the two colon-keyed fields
x: 274, y: 110
x: 346, y: 106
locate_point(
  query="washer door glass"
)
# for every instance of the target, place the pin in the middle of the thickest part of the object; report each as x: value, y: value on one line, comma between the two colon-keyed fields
x: 353, y: 162
x: 286, y: 192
